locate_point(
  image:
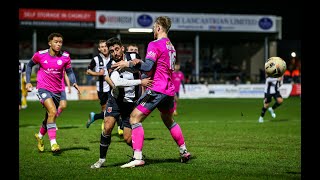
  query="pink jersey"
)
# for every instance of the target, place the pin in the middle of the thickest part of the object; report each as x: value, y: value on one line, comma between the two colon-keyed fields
x: 177, y: 77
x: 50, y: 75
x: 162, y: 52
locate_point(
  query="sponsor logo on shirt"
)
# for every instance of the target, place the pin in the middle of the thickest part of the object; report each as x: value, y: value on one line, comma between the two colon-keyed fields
x: 151, y: 54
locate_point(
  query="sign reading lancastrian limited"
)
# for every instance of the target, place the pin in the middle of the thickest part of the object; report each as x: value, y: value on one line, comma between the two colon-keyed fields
x: 212, y: 22
x: 50, y: 17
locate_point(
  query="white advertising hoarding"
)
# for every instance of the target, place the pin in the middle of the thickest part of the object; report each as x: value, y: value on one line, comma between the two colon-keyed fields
x: 229, y: 91
x: 210, y: 22
x: 187, y: 21
x: 114, y: 20
x: 196, y: 91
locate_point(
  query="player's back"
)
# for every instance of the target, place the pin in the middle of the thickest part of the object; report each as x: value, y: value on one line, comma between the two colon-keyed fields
x: 163, y: 53
x: 271, y: 85
x: 100, y: 62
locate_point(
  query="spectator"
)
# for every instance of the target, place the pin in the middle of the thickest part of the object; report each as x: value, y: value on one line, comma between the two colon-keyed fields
x: 296, y: 75
x: 287, y: 76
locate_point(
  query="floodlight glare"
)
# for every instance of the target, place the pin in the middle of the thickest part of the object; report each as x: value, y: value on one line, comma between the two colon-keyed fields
x: 145, y: 30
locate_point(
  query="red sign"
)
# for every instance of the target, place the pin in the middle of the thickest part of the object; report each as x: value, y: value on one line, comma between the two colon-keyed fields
x: 57, y: 15
x: 296, y: 90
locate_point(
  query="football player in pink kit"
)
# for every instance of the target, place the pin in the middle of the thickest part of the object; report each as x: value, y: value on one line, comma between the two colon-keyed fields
x: 159, y: 63
x: 50, y: 76
x: 178, y: 79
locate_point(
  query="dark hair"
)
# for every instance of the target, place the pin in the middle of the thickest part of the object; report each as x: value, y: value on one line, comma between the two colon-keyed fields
x: 52, y: 35
x: 102, y: 41
x: 165, y: 22
x: 112, y: 41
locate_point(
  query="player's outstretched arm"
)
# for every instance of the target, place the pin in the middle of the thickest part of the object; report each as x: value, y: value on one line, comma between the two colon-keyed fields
x: 122, y: 82
x: 72, y: 79
x: 137, y: 64
x: 28, y: 75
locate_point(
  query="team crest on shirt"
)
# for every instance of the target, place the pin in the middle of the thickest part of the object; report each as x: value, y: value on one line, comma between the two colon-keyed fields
x: 109, y: 110
x: 59, y: 62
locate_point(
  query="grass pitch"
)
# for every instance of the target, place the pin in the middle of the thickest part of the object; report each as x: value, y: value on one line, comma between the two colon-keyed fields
x: 223, y: 135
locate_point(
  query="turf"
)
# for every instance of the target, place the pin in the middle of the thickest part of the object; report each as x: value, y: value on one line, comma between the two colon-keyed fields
x: 223, y: 135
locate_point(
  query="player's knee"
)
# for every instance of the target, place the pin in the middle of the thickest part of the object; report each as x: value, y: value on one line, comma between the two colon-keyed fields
x: 108, y: 125
x: 52, y: 113
x: 107, y: 129
x: 134, y: 118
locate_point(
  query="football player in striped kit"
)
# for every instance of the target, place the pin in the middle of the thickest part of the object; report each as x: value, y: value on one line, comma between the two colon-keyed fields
x: 271, y: 90
x: 122, y: 98
x: 98, y: 68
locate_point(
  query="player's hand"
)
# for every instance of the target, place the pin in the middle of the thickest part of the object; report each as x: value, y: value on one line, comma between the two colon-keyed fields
x: 29, y: 87
x: 136, y: 61
x: 77, y: 88
x: 69, y: 90
x: 88, y: 72
x: 147, y: 82
x: 120, y: 65
x: 184, y: 91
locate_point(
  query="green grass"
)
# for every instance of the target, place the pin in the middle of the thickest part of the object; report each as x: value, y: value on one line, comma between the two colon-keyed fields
x: 223, y: 135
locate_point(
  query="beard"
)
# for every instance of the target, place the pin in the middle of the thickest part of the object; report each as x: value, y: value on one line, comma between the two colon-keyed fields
x: 117, y: 58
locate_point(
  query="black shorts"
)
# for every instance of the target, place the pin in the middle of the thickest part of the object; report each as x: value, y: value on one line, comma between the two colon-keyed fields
x: 268, y: 97
x: 119, y: 108
x: 103, y: 97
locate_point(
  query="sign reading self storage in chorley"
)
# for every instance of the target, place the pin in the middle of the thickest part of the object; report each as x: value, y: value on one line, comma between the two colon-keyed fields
x: 55, y: 17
